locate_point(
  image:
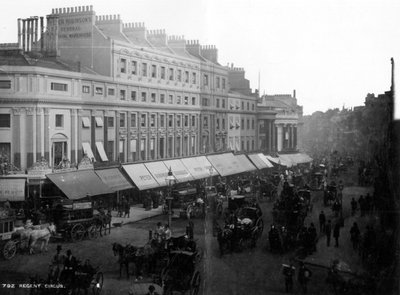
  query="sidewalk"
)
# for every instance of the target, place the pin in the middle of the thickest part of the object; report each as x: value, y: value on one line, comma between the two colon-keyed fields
x: 136, y: 214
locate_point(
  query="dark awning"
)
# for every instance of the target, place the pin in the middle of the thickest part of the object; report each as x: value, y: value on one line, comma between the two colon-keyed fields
x: 78, y: 184
x: 114, y: 179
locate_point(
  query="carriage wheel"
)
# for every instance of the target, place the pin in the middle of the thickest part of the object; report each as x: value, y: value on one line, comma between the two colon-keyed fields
x: 77, y: 232
x: 92, y: 232
x: 96, y: 288
x: 9, y: 250
x: 195, y: 283
x: 260, y: 227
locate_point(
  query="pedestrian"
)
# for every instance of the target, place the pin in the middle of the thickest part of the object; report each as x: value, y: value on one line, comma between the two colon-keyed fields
x: 353, y: 207
x: 355, y: 235
x: 322, y: 221
x: 336, y: 233
x: 304, y: 277
x: 288, y: 273
x: 328, y: 230
x: 120, y: 206
x: 127, y: 208
x: 167, y: 235
x: 56, y: 265
x: 336, y: 208
x: 313, y: 238
x: 70, y: 265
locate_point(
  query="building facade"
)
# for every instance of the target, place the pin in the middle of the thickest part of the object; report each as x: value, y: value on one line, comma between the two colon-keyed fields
x: 77, y: 83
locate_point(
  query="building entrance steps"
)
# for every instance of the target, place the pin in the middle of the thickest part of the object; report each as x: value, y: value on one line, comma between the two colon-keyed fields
x: 136, y: 214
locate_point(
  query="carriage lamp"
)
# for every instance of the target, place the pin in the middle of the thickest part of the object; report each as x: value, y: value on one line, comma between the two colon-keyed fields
x: 170, y: 180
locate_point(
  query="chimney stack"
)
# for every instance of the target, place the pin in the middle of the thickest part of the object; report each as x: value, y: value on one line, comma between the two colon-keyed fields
x: 36, y: 31
x: 19, y: 34
x: 41, y: 34
x: 294, y: 93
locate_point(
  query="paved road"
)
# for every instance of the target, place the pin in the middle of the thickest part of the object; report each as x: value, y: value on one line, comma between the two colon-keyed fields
x: 254, y: 271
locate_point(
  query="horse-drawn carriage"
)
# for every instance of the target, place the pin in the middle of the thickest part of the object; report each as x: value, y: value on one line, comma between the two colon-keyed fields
x: 84, y: 277
x: 22, y: 238
x: 7, y: 245
x: 186, y: 203
x: 76, y: 220
x: 243, y: 224
x: 288, y: 216
x: 268, y: 190
x: 181, y: 273
x: 150, y: 260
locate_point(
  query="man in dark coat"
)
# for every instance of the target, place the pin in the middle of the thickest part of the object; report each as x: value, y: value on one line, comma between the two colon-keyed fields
x: 336, y: 233
x: 289, y: 272
x: 70, y: 265
x: 322, y: 221
x: 328, y: 230
x: 303, y: 277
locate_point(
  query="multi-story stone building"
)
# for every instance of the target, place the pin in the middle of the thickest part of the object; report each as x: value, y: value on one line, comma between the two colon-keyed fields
x: 80, y: 83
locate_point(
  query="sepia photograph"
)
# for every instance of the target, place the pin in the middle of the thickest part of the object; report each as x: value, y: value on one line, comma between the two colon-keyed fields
x: 199, y: 147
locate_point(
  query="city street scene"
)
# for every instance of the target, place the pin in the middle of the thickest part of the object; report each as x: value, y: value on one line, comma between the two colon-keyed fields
x: 199, y: 148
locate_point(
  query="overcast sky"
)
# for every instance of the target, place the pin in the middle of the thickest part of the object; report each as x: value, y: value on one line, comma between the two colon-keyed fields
x: 332, y: 52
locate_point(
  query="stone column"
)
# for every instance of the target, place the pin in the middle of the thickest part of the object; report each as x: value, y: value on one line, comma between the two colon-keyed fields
x: 128, y: 137
x: 39, y: 134
x: 30, y: 136
x: 280, y: 137
x: 74, y: 137
x: 16, y: 138
x: 47, y: 143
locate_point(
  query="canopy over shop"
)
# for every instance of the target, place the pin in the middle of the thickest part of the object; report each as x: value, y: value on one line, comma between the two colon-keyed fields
x: 290, y: 160
x: 260, y: 161
x: 79, y: 184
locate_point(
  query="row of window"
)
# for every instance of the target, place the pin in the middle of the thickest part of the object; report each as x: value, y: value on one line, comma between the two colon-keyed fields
x: 160, y: 72
x: 165, y: 73
x: 167, y: 147
x: 220, y: 82
x: 180, y: 121
x: 185, y: 100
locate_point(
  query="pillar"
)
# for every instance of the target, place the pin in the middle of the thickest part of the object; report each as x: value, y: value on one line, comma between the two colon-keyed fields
x: 128, y: 137
x: 47, y: 142
x: 280, y: 137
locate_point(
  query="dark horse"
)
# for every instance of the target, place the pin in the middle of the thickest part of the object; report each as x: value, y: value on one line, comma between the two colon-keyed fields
x: 141, y: 257
x: 103, y: 220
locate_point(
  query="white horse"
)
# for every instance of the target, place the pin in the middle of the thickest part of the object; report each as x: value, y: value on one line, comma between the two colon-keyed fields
x: 43, y: 235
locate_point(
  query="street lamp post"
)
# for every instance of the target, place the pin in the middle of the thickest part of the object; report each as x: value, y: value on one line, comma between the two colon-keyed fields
x: 170, y: 180
x: 211, y: 171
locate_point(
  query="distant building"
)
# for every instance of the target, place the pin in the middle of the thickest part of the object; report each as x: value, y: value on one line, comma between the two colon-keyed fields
x: 278, y: 118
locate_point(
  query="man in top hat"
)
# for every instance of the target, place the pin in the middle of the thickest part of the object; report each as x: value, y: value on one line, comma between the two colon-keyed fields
x: 56, y: 265
x: 70, y: 264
